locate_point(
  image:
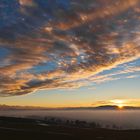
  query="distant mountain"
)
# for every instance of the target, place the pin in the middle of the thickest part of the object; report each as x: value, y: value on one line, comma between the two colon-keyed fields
x: 7, y: 107
x: 105, y: 107
x: 114, y: 107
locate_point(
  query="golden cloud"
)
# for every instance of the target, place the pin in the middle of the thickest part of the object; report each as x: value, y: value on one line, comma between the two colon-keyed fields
x: 71, y: 48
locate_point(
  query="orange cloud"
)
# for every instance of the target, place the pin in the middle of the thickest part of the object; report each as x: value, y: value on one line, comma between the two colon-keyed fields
x: 26, y: 2
x: 71, y: 49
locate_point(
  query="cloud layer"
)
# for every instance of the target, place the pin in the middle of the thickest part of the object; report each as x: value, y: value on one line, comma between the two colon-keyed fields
x: 65, y: 43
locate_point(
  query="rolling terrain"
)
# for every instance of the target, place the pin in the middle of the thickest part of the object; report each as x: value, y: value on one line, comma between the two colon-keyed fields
x: 22, y: 128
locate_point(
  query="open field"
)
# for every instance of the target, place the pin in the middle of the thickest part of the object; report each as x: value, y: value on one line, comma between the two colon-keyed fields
x: 16, y: 128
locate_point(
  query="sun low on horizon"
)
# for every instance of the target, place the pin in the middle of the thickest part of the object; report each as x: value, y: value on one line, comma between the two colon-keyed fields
x: 67, y: 53
x: 119, y: 103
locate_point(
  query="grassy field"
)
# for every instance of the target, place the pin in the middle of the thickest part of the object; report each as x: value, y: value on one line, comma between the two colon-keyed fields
x: 24, y: 129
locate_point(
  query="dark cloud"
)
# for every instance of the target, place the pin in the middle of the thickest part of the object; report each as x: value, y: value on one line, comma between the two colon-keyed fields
x: 64, y: 44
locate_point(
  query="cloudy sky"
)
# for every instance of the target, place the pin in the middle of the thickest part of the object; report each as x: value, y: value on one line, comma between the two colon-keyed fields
x: 69, y: 53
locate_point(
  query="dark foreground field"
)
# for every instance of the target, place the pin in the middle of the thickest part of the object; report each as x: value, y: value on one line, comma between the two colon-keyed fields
x: 21, y: 129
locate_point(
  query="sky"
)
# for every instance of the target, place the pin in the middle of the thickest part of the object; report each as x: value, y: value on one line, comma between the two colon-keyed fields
x: 67, y: 53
